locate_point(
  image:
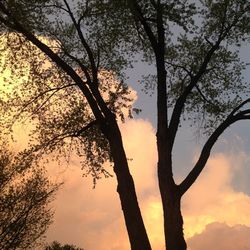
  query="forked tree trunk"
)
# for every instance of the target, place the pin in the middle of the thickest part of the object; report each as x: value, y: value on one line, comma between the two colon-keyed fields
x: 134, y: 223
x: 171, y: 203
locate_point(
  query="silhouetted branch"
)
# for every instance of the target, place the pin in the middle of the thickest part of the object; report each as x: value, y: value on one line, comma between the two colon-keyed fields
x: 205, y: 153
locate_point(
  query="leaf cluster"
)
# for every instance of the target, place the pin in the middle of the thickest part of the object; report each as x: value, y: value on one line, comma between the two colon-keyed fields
x: 40, y: 93
x: 25, y: 193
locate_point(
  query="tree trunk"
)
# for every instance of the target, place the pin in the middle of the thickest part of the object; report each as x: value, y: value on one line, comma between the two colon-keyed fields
x: 134, y: 223
x: 174, y: 227
x: 173, y: 222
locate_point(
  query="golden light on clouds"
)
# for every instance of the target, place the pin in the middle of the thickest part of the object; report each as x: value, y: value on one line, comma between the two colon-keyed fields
x: 97, y: 213
x: 93, y: 218
x: 213, y: 198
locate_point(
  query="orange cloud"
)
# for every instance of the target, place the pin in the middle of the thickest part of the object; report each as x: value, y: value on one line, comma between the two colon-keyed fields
x: 93, y: 218
x: 213, y: 199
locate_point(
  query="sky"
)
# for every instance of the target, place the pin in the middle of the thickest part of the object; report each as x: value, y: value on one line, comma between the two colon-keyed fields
x: 216, y: 209
x: 212, y: 204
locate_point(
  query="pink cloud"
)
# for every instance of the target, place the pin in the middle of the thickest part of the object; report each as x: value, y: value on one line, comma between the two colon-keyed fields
x: 213, y: 198
x: 222, y: 237
x: 93, y: 218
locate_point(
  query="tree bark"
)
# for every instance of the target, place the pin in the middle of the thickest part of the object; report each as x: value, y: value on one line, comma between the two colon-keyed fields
x: 134, y: 223
x: 171, y: 203
x: 173, y: 224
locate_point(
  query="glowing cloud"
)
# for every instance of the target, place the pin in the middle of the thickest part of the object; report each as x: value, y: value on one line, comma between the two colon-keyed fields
x: 93, y: 218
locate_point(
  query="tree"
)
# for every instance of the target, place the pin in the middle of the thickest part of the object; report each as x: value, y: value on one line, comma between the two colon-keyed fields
x: 198, y: 77
x: 57, y: 246
x: 25, y: 193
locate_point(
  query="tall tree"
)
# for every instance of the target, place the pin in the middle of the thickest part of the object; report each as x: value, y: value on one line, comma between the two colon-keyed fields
x: 25, y: 193
x: 75, y: 97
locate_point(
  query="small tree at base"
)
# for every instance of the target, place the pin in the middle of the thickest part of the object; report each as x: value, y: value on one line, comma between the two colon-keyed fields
x: 25, y: 194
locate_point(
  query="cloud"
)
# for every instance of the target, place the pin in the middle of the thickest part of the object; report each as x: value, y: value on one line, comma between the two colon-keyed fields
x: 93, y: 218
x: 214, y: 199
x: 222, y: 237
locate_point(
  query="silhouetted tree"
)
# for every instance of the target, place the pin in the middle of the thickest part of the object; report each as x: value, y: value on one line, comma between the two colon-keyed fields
x: 75, y: 103
x: 25, y: 194
x: 58, y: 246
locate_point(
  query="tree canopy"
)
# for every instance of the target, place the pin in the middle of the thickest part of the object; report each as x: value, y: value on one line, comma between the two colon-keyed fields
x: 25, y: 195
x: 57, y: 246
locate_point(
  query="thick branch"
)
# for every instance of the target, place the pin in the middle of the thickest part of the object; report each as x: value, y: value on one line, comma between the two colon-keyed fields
x: 205, y: 153
x: 240, y: 106
x: 136, y: 10
x: 180, y: 103
x: 54, y: 57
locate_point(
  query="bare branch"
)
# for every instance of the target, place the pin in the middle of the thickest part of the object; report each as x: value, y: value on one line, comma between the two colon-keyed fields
x: 205, y: 153
x: 55, y: 6
x: 181, y: 67
x: 240, y: 106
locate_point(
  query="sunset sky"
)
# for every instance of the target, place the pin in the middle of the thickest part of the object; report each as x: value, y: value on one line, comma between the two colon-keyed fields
x: 216, y: 209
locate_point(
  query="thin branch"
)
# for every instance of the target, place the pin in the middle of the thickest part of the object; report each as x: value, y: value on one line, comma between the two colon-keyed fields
x: 84, y: 42
x: 203, y: 96
x: 181, y: 67
x: 55, y: 6
x: 36, y: 98
x: 240, y: 106
x: 45, y: 92
x: 43, y: 103
x: 153, y: 2
x: 209, y: 42
x: 242, y: 114
x: 82, y: 130
x: 61, y: 137
x: 78, y: 61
